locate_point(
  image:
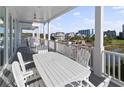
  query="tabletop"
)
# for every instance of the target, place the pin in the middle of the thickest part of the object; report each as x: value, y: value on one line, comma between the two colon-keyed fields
x: 57, y: 70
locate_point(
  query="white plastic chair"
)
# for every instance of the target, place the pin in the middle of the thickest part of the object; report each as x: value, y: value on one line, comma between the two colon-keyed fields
x: 105, y: 83
x: 20, y: 79
x: 22, y: 63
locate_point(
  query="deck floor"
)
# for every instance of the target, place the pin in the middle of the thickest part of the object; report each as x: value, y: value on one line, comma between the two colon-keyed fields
x: 36, y: 80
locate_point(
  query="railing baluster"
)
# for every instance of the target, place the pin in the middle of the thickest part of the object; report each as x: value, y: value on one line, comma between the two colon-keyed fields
x: 119, y: 68
x: 104, y: 62
x: 90, y: 58
x: 108, y: 64
x: 113, y: 65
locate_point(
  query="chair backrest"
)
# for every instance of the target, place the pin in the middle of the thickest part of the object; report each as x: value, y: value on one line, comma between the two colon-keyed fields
x: 105, y: 83
x: 84, y: 57
x: 18, y: 75
x: 21, y: 61
x: 34, y: 42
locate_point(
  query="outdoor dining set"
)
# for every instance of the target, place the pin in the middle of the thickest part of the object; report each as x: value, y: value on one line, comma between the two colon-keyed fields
x: 56, y: 70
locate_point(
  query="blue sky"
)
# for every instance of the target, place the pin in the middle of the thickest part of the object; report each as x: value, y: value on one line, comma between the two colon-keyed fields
x: 83, y: 18
x: 76, y: 19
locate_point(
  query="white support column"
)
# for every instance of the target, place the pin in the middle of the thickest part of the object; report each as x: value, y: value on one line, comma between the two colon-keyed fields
x: 44, y: 34
x: 6, y: 36
x: 48, y: 30
x: 11, y: 35
x: 33, y: 33
x: 48, y: 35
x: 15, y: 42
x: 38, y: 32
x: 98, y: 59
x: 19, y: 35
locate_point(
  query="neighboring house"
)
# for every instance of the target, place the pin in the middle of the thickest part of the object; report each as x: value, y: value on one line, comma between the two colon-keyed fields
x: 110, y: 33
x: 85, y: 32
x: 58, y: 35
x: 53, y: 34
x: 78, y: 34
x: 71, y: 34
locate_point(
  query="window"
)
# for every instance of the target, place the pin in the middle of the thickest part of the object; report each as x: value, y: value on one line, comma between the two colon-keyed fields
x: 2, y: 30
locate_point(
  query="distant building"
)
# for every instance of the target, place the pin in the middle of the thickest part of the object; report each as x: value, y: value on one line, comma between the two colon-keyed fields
x: 121, y: 34
x: 71, y: 34
x: 53, y: 34
x: 123, y: 28
x: 110, y: 33
x: 85, y: 32
x: 58, y: 36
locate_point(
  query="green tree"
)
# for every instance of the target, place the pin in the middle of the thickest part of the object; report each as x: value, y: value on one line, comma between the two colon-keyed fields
x: 107, y: 41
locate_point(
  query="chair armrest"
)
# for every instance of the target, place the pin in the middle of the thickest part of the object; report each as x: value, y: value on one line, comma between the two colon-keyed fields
x: 105, y: 83
x: 29, y: 62
x: 28, y: 73
x: 89, y: 83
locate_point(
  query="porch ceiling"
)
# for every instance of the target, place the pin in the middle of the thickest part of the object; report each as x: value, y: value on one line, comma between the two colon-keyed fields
x: 43, y: 13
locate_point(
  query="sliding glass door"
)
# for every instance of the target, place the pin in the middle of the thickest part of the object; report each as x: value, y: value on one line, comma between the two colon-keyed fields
x: 2, y: 31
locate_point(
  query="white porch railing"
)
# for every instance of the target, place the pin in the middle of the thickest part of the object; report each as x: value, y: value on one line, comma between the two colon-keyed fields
x: 71, y: 51
x: 114, y: 64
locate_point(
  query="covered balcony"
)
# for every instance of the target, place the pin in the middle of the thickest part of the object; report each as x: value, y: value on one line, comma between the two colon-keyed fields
x: 14, y: 20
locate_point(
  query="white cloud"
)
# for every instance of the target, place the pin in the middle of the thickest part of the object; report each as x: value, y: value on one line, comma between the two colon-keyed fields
x: 90, y: 21
x: 55, y: 28
x: 83, y: 23
x: 58, y: 23
x: 76, y: 14
x: 118, y: 7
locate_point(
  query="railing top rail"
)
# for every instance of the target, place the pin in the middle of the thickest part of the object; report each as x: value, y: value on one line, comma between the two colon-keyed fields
x: 114, y: 53
x: 86, y: 47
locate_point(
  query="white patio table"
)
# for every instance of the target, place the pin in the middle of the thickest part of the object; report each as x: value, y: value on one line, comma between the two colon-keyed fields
x: 56, y: 70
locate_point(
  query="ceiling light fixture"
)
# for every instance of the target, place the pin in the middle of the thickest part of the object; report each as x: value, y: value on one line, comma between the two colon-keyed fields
x: 35, y: 23
x: 1, y: 21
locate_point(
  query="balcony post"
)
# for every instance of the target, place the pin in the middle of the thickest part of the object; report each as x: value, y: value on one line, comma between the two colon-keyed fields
x: 15, y: 42
x: 44, y: 34
x: 19, y: 34
x: 33, y: 34
x: 48, y: 30
x: 98, y: 57
x: 38, y: 32
x: 11, y: 35
x: 6, y: 36
x: 48, y: 34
